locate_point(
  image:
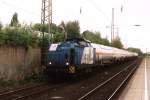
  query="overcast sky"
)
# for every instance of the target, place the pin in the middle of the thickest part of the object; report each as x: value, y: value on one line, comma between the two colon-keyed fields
x: 95, y: 16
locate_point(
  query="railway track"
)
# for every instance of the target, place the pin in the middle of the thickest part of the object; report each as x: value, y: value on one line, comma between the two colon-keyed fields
x: 17, y: 93
x: 27, y: 92
x: 95, y: 92
x: 106, y: 86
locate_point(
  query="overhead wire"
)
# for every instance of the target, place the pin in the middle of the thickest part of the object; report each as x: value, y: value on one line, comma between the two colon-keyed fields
x: 98, y: 9
x: 37, y: 15
x: 17, y: 7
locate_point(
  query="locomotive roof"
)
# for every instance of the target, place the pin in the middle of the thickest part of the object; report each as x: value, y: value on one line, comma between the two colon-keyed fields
x: 78, y: 39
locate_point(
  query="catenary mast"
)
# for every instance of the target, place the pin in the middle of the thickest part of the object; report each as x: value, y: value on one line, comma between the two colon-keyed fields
x: 46, y: 15
x: 46, y: 18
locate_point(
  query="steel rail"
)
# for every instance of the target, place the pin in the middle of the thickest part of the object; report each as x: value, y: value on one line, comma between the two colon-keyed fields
x: 91, y: 91
x: 31, y: 91
x: 36, y: 92
x: 19, y: 90
x: 122, y: 83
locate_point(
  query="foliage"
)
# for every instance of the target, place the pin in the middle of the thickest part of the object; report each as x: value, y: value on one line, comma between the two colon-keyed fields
x: 72, y: 29
x: 63, y: 25
x: 95, y: 37
x: 17, y: 36
x: 105, y: 41
x: 45, y: 28
x: 55, y: 30
x: 147, y: 55
x: 13, y: 35
x: 117, y: 43
x: 137, y: 50
x: 14, y: 21
x: 58, y: 37
x: 1, y: 26
x: 37, y: 27
x: 44, y: 41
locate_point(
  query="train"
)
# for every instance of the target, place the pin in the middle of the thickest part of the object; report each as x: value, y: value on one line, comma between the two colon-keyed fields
x: 80, y: 55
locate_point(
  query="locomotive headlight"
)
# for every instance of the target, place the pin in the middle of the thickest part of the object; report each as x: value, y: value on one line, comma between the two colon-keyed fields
x: 67, y: 63
x: 50, y: 62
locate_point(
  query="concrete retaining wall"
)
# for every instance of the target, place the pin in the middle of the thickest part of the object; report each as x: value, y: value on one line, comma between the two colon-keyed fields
x: 17, y: 62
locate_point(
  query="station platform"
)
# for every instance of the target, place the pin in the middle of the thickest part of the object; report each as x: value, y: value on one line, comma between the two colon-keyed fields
x: 139, y: 86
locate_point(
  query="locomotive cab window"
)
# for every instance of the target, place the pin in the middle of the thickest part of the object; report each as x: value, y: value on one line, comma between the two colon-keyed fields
x: 83, y: 44
x: 66, y: 45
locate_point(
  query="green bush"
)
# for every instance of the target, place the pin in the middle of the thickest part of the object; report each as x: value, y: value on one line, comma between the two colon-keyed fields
x: 17, y: 36
x: 44, y: 41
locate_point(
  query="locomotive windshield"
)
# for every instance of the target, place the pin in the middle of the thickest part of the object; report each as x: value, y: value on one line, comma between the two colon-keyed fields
x: 66, y: 45
x: 72, y: 44
x: 83, y: 43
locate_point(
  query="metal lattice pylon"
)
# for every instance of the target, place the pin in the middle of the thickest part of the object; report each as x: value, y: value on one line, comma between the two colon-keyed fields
x: 46, y: 18
x: 46, y: 14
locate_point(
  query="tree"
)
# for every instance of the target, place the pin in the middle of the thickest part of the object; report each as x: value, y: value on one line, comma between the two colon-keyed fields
x: 117, y: 43
x: 137, y: 50
x: 45, y: 28
x: 105, y: 41
x: 95, y: 37
x: 88, y: 35
x: 62, y: 28
x: 58, y: 34
x: 58, y: 37
x: 37, y: 27
x: 18, y: 36
x: 63, y: 25
x: 14, y: 21
x: 1, y: 25
x: 72, y: 29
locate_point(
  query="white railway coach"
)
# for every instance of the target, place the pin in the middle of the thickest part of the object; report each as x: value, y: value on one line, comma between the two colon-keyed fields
x: 105, y: 54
